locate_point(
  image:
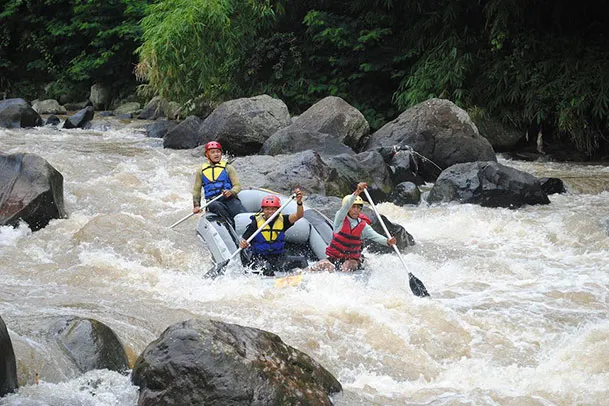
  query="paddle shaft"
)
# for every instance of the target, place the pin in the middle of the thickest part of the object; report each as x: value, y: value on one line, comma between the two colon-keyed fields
x: 192, y: 214
x: 378, y: 215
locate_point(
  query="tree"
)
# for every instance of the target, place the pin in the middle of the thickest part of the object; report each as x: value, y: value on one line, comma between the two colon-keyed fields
x: 193, y: 48
x: 70, y: 43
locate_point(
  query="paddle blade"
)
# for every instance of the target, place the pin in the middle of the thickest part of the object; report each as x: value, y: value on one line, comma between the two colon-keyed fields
x: 417, y: 286
x: 292, y: 280
x: 217, y: 270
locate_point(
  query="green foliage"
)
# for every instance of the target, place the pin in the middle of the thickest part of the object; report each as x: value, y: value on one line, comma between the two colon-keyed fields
x: 534, y: 63
x: 340, y: 49
x: 192, y: 48
x: 72, y: 42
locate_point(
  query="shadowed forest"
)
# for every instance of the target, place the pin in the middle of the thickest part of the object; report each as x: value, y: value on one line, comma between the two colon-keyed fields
x: 529, y: 65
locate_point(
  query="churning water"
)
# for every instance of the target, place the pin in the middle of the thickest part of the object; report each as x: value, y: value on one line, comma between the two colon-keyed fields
x: 518, y: 313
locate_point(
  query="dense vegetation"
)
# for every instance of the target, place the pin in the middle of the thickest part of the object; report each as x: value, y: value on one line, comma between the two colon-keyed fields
x: 531, y: 64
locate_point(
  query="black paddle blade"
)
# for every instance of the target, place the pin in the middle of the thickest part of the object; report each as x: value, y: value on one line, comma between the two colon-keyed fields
x: 417, y: 286
x: 217, y: 270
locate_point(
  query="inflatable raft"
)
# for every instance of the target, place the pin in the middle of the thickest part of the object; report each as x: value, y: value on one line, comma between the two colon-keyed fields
x: 309, y: 236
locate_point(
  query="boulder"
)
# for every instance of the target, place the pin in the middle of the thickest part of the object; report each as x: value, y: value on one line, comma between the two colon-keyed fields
x: 101, y: 96
x: 80, y: 119
x: 366, y: 167
x: 243, y: 125
x: 8, y: 364
x: 292, y: 139
x: 154, y: 109
x: 49, y: 106
x: 440, y: 132
x: 159, y: 128
x: 332, y: 115
x: 403, y: 237
x: 283, y: 173
x: 552, y: 185
x: 17, y: 113
x: 90, y: 344
x: 488, y: 184
x: 129, y: 108
x: 184, y: 135
x: 52, y: 120
x: 208, y: 362
x: 30, y: 189
x: 405, y: 193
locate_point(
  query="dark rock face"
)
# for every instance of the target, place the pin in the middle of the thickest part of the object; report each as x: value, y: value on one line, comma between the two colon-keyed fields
x: 488, y: 184
x: 17, y: 113
x: 159, y: 128
x: 154, y: 109
x: 439, y: 131
x: 403, y: 237
x: 8, y: 366
x: 30, y: 189
x: 334, y: 116
x: 243, y: 125
x: 289, y: 140
x: 406, y: 193
x: 552, y: 185
x: 183, y: 135
x: 90, y: 344
x: 207, y: 362
x: 367, y: 167
x: 80, y: 119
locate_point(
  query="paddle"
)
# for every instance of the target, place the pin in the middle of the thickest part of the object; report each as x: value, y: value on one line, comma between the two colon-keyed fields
x: 416, y: 285
x: 215, y: 271
x: 192, y: 214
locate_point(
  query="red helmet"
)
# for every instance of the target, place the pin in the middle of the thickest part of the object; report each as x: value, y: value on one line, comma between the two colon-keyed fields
x: 270, y: 201
x: 213, y: 145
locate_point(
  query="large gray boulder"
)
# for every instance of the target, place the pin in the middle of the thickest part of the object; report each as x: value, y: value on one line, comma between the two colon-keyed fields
x: 80, y: 119
x: 488, y: 184
x: 332, y: 115
x: 369, y: 167
x: 184, y: 135
x: 439, y: 131
x: 243, y: 125
x: 90, y: 344
x: 207, y: 362
x: 8, y: 365
x: 30, y: 189
x: 159, y: 128
x: 292, y: 139
x: 283, y: 173
x: 100, y: 96
x: 17, y: 113
x: 155, y: 108
x: 48, y: 106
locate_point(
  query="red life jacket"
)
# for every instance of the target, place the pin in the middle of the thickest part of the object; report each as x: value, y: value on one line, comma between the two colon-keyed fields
x: 347, y: 242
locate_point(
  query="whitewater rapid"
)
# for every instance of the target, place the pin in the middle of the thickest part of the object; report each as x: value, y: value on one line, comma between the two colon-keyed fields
x: 518, y: 312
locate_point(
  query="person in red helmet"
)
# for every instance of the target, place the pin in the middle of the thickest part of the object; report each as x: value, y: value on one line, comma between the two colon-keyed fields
x: 216, y: 177
x: 267, y: 248
x: 351, y: 227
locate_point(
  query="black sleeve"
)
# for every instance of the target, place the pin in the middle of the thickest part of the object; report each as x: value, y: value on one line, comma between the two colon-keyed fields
x: 286, y: 222
x: 251, y: 229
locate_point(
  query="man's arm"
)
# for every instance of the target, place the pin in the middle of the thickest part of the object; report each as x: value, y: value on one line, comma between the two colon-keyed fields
x: 342, y: 213
x: 251, y: 228
x: 369, y: 233
x: 196, y: 190
x: 234, y: 180
x: 294, y: 217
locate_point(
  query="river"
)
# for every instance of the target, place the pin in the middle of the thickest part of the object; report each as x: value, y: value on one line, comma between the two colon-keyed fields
x: 518, y: 313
